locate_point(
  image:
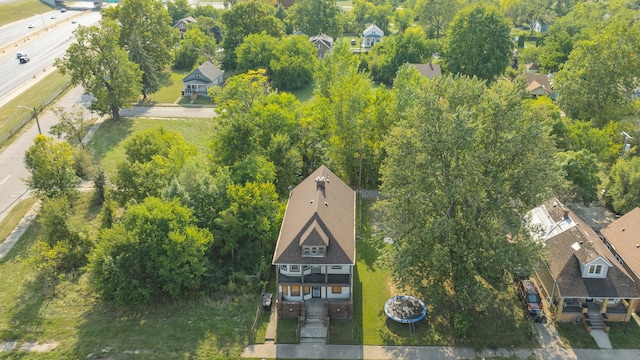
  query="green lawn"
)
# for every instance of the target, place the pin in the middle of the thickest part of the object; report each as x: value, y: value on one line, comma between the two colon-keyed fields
x: 304, y: 94
x: 625, y: 335
x: 18, y: 10
x: 107, y: 146
x: 14, y: 216
x: 12, y: 116
x: 576, y: 336
x: 171, y: 91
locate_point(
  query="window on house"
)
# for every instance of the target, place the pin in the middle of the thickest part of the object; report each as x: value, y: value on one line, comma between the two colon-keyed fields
x: 306, y: 290
x: 285, y: 289
x: 319, y: 46
x: 295, y: 268
x: 313, y: 250
x: 283, y: 267
x: 306, y: 267
x: 336, y: 289
x: 595, y: 269
x: 295, y: 290
x: 336, y: 267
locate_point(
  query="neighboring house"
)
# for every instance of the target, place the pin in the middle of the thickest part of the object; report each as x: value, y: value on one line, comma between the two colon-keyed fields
x: 371, y: 36
x: 201, y: 79
x: 539, y: 85
x: 580, y: 273
x: 316, y: 249
x: 323, y: 43
x: 539, y: 26
x: 182, y: 23
x: 428, y: 70
x: 622, y: 237
x: 531, y: 68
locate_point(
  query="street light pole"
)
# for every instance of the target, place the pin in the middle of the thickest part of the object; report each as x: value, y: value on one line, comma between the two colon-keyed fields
x: 35, y: 113
x: 626, y: 147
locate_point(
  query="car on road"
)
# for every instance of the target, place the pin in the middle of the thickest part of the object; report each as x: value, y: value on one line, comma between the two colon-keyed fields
x: 63, y: 9
x: 31, y: 26
x: 20, y: 54
x: 53, y: 16
x: 531, y: 301
x: 24, y: 60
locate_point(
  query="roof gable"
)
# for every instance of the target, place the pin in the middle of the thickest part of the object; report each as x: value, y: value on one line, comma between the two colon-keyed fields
x: 206, y: 72
x: 320, y: 212
x: 372, y: 30
x: 324, y: 39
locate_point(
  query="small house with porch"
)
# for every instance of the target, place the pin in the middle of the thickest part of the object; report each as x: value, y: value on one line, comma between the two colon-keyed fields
x: 198, y: 82
x: 580, y: 275
x: 316, y: 249
x: 371, y: 36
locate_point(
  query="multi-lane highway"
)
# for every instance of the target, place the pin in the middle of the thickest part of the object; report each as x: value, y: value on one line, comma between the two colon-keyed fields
x: 42, y: 46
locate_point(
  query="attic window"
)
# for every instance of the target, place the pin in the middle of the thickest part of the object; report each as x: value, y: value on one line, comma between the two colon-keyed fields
x: 197, y: 76
x: 595, y: 269
x: 313, y: 250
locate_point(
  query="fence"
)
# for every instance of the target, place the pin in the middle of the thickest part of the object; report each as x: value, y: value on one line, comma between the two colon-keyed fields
x: 22, y: 122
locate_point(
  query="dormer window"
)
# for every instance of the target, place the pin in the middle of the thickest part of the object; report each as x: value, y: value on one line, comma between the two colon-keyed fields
x: 313, y: 250
x: 595, y: 269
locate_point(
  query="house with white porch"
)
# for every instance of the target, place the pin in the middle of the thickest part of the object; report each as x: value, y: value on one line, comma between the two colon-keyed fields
x: 316, y: 249
x: 198, y: 82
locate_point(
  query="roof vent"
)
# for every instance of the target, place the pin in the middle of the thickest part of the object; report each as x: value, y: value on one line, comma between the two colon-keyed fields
x: 638, y: 246
x: 622, y: 229
x: 320, y: 181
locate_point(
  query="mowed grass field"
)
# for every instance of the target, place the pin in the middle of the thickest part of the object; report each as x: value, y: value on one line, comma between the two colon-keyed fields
x: 21, y: 9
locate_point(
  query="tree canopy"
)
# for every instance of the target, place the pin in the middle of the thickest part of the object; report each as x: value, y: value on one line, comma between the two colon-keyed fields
x: 51, y: 167
x: 314, y: 17
x: 98, y: 63
x: 478, y: 43
x: 456, y: 191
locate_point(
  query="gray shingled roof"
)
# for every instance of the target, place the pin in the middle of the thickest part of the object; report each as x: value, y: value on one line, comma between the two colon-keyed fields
x: 428, y: 70
x: 325, y: 39
x: 564, y: 260
x: 317, y: 216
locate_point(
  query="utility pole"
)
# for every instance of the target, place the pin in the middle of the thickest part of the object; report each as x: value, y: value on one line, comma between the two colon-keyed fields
x: 35, y: 114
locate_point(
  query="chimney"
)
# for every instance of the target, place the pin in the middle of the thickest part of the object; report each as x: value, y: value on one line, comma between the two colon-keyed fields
x: 320, y: 182
x: 565, y: 214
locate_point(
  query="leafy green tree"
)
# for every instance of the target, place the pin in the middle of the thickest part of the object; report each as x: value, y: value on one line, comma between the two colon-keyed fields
x: 403, y: 18
x: 461, y: 170
x: 153, y: 158
x: 98, y: 63
x: 397, y: 50
x: 256, y: 51
x: 581, y: 171
x: 71, y: 124
x: 623, y: 190
x: 241, y: 92
x: 435, y: 15
x: 194, y: 46
x: 154, y: 251
x: 314, y: 17
x: 597, y: 81
x: 292, y: 67
x: 339, y: 62
x: 250, y: 225
x: 251, y: 17
x: 178, y: 9
x: 51, y: 167
x: 141, y: 20
x: 478, y: 43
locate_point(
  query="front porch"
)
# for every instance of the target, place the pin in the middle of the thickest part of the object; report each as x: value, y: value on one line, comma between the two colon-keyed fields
x: 569, y: 309
x: 335, y: 308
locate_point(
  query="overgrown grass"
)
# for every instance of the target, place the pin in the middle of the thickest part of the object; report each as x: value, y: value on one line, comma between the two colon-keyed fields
x: 107, y: 146
x: 48, y: 88
x: 625, y: 335
x: 14, y: 216
x: 287, y: 328
x: 73, y: 317
x: 576, y: 336
x: 18, y: 10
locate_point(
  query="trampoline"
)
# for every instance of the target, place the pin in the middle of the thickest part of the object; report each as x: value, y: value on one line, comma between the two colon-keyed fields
x: 405, y: 309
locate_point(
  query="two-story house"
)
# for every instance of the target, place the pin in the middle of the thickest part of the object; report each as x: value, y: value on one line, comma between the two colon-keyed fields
x: 316, y: 249
x: 323, y: 43
x: 579, y: 273
x: 622, y: 237
x: 371, y: 36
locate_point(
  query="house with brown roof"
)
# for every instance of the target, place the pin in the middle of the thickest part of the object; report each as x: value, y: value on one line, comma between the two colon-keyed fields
x: 183, y: 23
x: 198, y: 82
x: 622, y: 237
x: 429, y: 70
x: 316, y: 250
x: 323, y: 43
x: 579, y: 274
x: 539, y: 85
